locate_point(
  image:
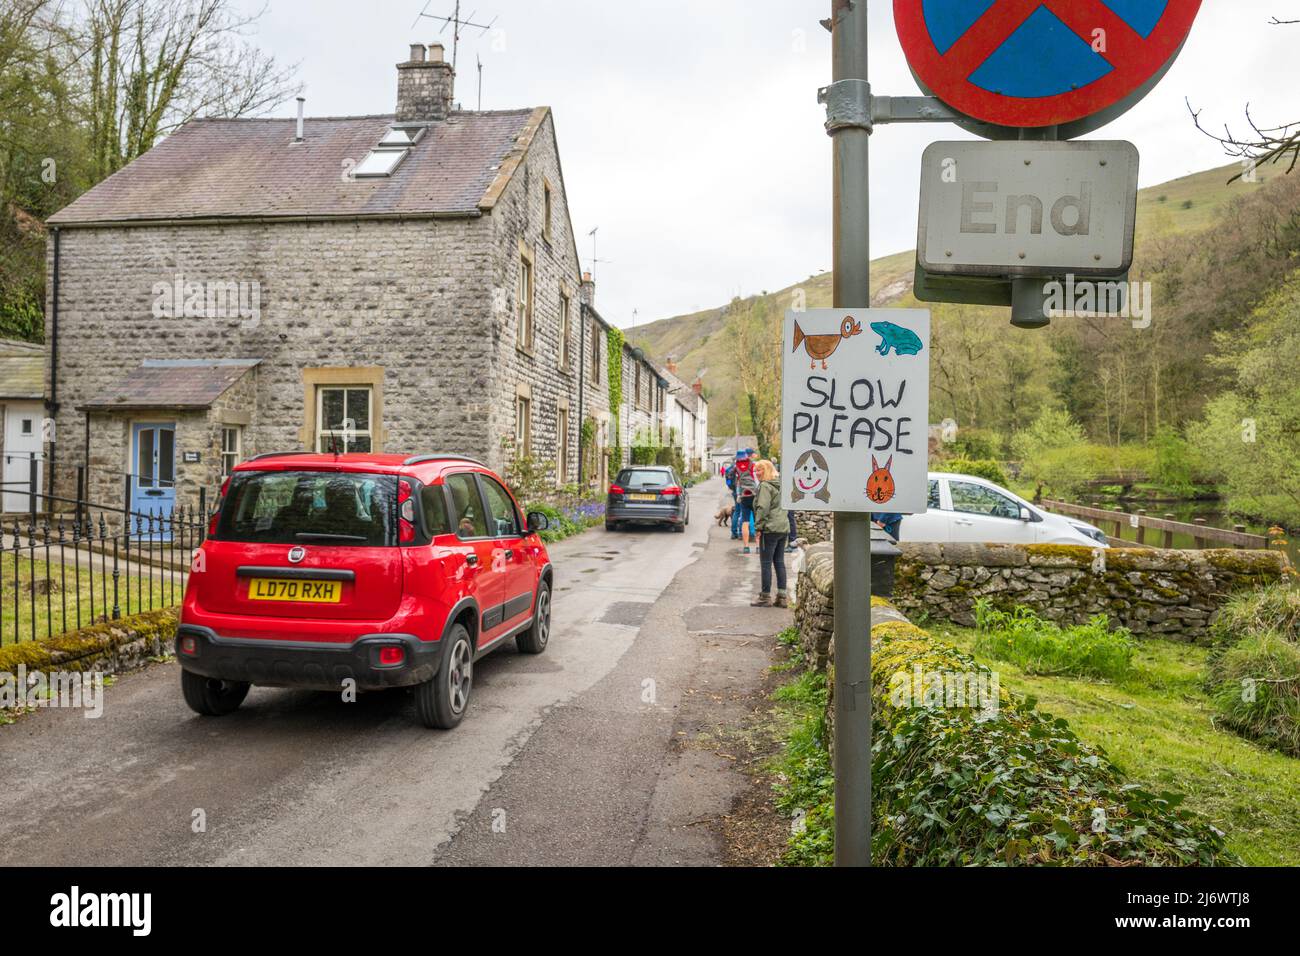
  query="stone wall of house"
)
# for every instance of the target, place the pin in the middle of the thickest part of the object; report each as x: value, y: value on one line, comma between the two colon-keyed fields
x: 407, y: 297
x: 1172, y: 594
x: 537, y: 372
x: 428, y: 302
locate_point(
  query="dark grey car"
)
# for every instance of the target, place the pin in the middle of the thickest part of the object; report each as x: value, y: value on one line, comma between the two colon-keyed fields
x: 647, y: 494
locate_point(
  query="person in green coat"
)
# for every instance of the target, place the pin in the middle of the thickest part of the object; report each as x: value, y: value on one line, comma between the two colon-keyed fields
x: 772, y: 523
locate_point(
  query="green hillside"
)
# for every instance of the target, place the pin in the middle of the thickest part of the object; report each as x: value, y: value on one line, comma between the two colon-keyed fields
x: 1174, y: 209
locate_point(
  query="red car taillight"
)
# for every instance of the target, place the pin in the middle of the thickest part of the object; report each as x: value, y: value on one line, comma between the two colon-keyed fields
x: 189, y: 645
x: 216, y: 513
x: 406, y: 515
x: 672, y: 490
x: 391, y: 656
x: 615, y: 490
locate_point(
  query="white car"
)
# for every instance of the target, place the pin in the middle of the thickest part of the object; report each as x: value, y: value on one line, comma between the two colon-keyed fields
x: 966, y: 508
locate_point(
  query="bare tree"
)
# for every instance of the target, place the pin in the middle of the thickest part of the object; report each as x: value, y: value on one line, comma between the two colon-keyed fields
x: 156, y: 64
x: 1263, y: 144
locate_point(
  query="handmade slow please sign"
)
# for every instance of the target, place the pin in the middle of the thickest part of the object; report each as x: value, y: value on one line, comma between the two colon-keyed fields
x: 856, y: 410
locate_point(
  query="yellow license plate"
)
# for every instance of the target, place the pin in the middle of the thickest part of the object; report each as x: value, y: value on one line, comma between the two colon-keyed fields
x: 305, y: 592
x: 642, y: 497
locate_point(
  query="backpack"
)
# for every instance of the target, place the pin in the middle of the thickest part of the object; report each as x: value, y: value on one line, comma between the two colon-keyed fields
x: 746, y: 483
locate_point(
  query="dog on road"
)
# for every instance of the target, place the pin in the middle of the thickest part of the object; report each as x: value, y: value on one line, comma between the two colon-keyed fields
x: 723, y: 517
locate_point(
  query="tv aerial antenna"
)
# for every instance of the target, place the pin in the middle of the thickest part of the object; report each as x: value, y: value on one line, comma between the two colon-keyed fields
x: 595, y: 260
x: 457, y: 24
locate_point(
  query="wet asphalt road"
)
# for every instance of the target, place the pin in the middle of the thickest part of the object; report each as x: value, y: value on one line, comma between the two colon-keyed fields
x: 575, y: 756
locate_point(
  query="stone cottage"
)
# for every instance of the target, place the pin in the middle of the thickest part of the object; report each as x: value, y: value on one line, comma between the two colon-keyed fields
x: 687, y: 417
x: 406, y: 282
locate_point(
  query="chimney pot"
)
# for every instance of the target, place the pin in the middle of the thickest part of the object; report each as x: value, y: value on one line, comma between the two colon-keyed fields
x: 302, y: 101
x: 417, y: 53
x: 437, y: 52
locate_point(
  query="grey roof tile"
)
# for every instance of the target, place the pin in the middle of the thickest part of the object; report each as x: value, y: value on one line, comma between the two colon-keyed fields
x: 194, y: 384
x: 251, y: 168
x: 22, y: 370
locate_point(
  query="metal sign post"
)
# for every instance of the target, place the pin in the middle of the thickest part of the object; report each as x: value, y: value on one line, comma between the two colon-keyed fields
x: 849, y: 123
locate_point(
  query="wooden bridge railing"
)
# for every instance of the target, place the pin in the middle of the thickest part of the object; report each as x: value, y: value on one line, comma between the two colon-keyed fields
x: 1205, y: 535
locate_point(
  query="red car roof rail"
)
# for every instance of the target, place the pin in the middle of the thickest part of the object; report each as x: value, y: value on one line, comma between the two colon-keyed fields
x: 280, y: 454
x: 425, y: 459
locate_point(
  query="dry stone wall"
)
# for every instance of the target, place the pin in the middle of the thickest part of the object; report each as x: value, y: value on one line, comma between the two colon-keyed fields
x: 1172, y: 594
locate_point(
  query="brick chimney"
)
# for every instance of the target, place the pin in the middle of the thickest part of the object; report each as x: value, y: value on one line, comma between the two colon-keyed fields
x: 671, y: 365
x: 588, y: 290
x: 699, y: 387
x: 425, y: 85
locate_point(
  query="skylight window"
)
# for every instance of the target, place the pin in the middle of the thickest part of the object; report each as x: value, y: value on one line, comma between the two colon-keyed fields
x: 388, y: 155
x: 379, y: 162
x: 402, y: 136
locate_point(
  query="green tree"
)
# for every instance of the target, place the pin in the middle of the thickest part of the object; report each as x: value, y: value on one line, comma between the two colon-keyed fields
x: 1052, y: 453
x: 754, y: 330
x: 1250, y: 434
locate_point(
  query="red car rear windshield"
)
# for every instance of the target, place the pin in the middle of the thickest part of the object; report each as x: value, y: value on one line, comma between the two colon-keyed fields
x: 297, y: 507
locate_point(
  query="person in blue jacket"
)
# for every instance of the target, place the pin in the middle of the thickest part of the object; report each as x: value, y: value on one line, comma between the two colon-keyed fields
x: 892, y: 523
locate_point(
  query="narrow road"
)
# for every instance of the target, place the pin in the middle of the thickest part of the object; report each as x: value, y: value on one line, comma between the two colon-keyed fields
x: 587, y: 754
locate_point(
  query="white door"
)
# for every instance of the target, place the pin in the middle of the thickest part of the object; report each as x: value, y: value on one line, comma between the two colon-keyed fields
x: 981, y: 514
x: 22, y: 446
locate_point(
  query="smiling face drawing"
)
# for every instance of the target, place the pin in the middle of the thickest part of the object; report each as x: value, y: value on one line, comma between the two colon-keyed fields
x: 811, y: 478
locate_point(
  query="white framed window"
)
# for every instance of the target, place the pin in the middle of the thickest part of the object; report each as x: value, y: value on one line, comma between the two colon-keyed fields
x: 566, y: 333
x: 523, y: 426
x: 343, y: 417
x: 524, y: 303
x: 232, y: 448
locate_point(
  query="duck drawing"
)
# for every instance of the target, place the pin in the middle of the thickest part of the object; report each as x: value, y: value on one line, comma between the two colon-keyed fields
x: 822, y: 347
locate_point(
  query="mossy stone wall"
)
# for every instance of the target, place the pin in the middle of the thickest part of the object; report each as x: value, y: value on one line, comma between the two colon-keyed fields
x: 1173, y: 594
x: 106, y: 648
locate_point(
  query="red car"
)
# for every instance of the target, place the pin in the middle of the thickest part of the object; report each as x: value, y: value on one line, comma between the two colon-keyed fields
x: 379, y: 570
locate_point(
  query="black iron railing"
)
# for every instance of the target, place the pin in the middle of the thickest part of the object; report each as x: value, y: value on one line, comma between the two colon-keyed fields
x: 70, y: 563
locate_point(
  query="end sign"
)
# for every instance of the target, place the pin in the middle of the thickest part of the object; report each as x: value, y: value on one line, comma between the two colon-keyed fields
x: 1028, y: 208
x: 856, y: 410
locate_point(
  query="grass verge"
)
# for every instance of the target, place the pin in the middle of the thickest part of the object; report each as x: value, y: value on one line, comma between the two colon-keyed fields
x: 1159, y: 726
x: 69, y: 589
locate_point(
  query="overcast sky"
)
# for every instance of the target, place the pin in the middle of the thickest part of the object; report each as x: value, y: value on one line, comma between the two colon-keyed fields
x: 689, y: 129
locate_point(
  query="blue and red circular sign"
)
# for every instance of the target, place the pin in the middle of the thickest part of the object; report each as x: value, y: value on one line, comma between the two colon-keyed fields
x: 1035, y: 63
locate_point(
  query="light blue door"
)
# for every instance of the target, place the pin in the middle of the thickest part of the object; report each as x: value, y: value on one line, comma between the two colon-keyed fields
x: 153, y: 487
